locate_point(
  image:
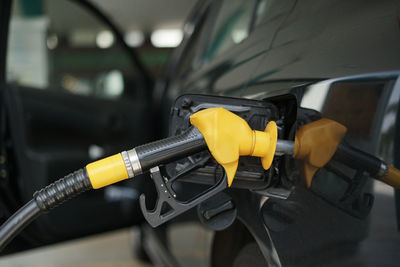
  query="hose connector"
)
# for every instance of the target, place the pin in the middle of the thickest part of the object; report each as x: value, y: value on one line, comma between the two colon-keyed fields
x: 107, y: 171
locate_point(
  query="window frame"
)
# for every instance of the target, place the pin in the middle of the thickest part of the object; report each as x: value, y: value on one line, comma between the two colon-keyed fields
x: 5, y: 10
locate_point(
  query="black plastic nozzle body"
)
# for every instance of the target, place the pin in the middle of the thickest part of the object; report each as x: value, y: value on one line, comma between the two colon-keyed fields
x: 358, y: 159
x: 170, y: 149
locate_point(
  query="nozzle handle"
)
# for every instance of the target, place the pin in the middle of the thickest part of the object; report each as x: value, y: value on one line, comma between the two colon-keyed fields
x: 358, y: 159
x: 169, y: 149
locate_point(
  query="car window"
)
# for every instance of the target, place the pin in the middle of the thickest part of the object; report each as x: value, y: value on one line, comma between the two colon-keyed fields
x: 232, y: 26
x: 213, y: 36
x: 262, y: 8
x: 188, y: 61
x: 59, y: 45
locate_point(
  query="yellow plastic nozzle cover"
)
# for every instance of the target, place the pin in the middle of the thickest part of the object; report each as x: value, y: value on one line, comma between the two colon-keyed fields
x: 107, y: 171
x: 316, y: 143
x: 393, y: 177
x: 228, y: 136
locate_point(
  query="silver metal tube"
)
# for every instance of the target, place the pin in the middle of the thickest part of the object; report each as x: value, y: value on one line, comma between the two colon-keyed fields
x: 132, y: 163
x: 284, y: 147
x: 128, y: 164
x: 136, y: 166
x: 383, y: 171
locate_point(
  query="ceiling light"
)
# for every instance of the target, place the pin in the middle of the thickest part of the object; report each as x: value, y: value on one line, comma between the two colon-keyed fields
x: 52, y: 41
x: 239, y: 35
x: 134, y: 38
x: 166, y: 37
x: 104, y: 39
x: 82, y: 38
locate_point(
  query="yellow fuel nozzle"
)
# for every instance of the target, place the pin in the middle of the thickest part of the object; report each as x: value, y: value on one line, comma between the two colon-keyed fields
x: 316, y: 143
x: 228, y: 136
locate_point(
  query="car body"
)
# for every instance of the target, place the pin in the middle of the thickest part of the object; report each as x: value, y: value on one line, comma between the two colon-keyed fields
x: 316, y: 54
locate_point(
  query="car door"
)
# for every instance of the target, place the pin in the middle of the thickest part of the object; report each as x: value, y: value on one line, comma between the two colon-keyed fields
x: 73, y: 93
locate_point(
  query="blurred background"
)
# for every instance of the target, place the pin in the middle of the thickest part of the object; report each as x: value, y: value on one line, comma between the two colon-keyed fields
x: 77, y: 52
x: 66, y: 46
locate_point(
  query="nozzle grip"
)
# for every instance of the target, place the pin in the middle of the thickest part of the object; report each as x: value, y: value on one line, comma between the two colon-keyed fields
x: 358, y: 159
x: 169, y: 149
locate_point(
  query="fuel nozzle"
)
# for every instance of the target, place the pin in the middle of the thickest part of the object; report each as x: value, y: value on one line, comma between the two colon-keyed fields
x: 318, y: 142
x: 226, y: 135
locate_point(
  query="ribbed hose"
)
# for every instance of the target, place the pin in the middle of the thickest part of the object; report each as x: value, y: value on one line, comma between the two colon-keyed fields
x: 44, y: 200
x: 56, y: 193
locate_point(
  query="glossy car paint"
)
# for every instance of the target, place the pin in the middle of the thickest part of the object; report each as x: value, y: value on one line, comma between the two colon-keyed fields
x: 296, y: 45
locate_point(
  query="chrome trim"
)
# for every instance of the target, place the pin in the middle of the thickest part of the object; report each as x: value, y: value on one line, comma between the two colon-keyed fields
x: 128, y: 164
x: 135, y: 163
x: 383, y: 171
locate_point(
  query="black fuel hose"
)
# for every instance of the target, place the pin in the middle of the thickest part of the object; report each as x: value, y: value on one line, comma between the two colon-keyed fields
x: 18, y: 221
x: 98, y: 174
x: 44, y: 200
